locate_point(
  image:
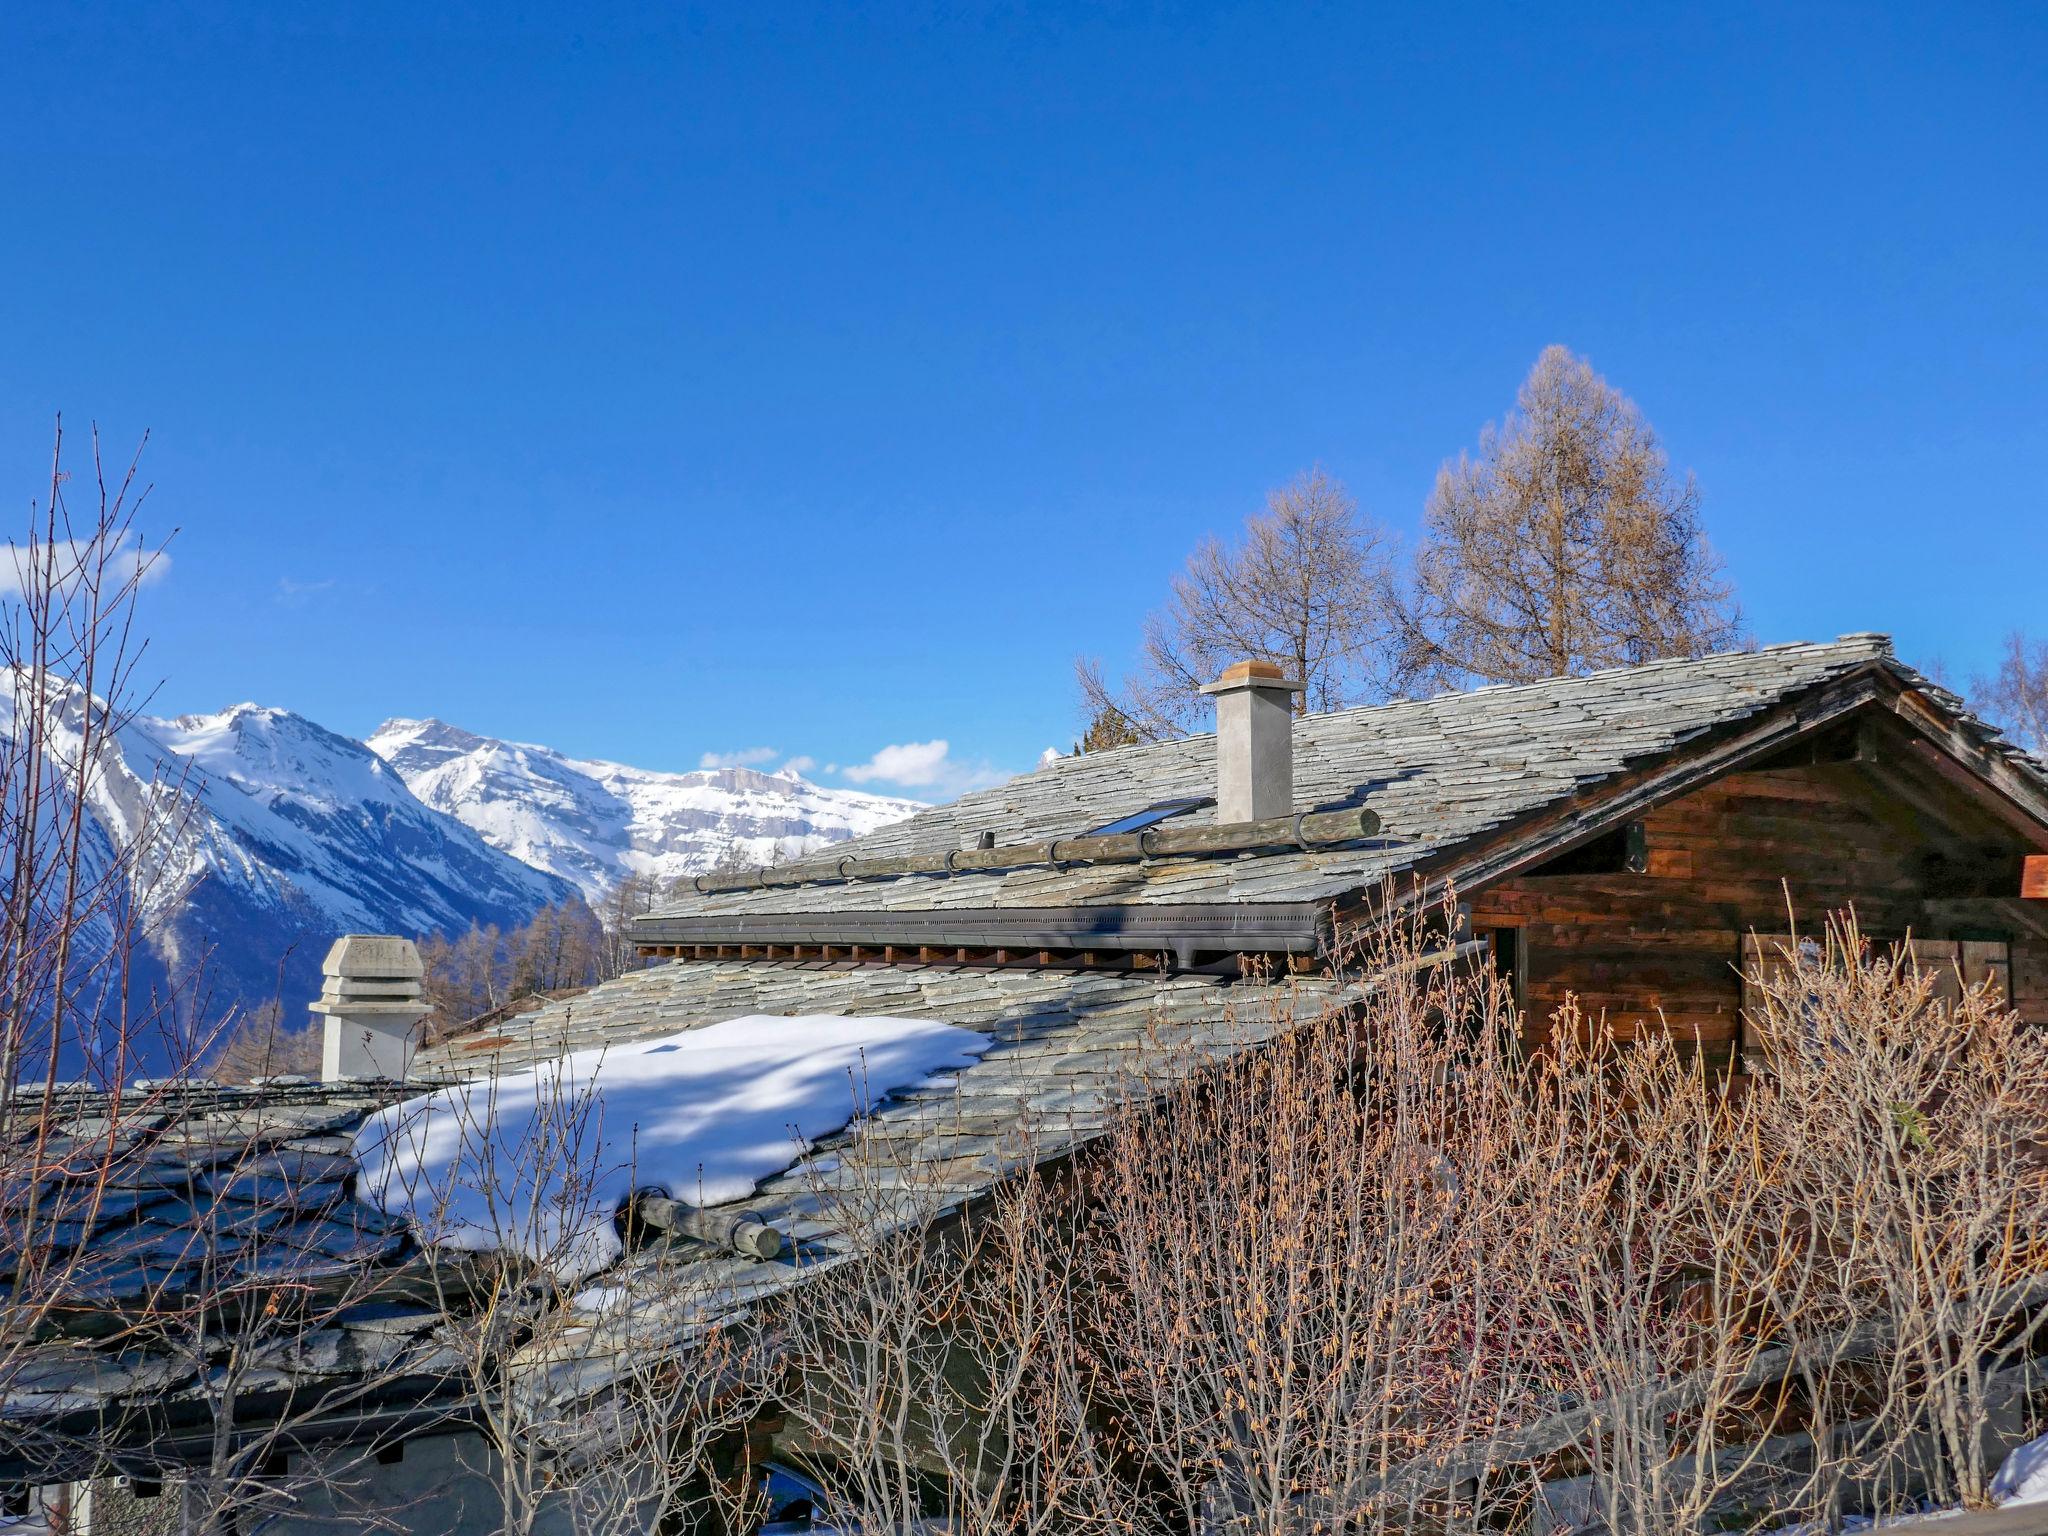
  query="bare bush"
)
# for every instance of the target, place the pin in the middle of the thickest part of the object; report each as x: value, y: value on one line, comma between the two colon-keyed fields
x: 1908, y: 1117
x: 1364, y: 1265
x: 600, y: 1405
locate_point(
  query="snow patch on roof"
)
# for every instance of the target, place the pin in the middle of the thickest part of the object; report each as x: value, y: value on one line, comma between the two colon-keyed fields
x: 539, y: 1162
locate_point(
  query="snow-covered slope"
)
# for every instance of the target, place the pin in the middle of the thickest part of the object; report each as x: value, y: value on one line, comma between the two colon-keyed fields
x: 267, y: 836
x: 596, y: 823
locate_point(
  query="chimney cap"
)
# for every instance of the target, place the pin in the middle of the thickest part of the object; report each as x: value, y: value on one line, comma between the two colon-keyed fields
x: 382, y: 955
x: 1252, y: 674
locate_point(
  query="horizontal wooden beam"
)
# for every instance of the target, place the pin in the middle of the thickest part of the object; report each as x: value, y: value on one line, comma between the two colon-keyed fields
x: 1213, y: 927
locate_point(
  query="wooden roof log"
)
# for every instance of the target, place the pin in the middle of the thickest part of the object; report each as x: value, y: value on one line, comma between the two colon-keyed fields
x: 738, y: 1232
x: 1309, y: 829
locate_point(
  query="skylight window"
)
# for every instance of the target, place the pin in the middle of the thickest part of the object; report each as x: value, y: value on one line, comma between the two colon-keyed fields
x: 1151, y: 816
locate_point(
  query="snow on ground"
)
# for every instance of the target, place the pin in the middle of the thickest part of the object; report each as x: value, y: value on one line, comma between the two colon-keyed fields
x: 2023, y: 1479
x: 540, y: 1161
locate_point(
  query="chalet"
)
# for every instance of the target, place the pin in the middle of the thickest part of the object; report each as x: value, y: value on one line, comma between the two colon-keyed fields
x: 1634, y: 839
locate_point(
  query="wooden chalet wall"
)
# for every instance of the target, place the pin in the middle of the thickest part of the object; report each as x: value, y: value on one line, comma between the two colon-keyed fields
x: 1666, y: 936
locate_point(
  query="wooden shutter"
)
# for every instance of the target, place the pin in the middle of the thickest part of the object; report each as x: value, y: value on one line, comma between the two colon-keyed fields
x: 1990, y: 965
x: 1959, y: 963
x: 1940, y: 961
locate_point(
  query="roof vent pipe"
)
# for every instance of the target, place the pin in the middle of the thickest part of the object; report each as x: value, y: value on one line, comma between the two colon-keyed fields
x: 1254, y: 742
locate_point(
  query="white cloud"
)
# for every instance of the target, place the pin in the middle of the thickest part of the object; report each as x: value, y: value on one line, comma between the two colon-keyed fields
x: 67, y: 559
x: 913, y: 764
x: 800, y: 765
x: 1050, y: 755
x: 293, y: 593
x: 926, y: 765
x: 746, y: 757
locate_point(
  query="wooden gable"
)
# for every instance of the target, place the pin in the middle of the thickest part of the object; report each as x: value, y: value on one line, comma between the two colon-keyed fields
x: 1651, y: 926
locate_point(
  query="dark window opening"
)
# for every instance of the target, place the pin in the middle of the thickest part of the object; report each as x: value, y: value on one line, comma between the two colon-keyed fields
x: 1151, y: 816
x: 1506, y: 956
x: 1624, y: 851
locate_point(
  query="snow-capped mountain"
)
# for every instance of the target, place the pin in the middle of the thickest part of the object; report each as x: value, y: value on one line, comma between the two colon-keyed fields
x: 264, y: 836
x: 595, y: 823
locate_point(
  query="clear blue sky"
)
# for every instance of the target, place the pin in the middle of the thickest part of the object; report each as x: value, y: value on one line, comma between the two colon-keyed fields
x: 785, y: 377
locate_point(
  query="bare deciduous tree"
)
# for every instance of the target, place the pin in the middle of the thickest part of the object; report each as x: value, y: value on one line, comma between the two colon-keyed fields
x: 1564, y: 546
x: 2016, y: 695
x: 1303, y: 590
x: 634, y: 897
x: 258, y: 1043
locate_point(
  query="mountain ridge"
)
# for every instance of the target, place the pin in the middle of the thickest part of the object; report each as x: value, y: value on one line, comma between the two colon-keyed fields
x: 252, y: 837
x: 597, y: 823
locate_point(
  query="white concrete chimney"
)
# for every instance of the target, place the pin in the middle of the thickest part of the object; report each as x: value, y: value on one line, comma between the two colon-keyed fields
x: 1254, y: 742
x: 373, y: 1007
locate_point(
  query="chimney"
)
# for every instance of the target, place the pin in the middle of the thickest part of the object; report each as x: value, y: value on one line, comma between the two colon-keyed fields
x: 1254, y: 742
x: 371, y: 999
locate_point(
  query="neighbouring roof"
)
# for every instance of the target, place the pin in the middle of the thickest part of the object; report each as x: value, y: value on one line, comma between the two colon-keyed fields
x: 206, y: 1161
x: 1439, y: 773
x: 173, y: 1193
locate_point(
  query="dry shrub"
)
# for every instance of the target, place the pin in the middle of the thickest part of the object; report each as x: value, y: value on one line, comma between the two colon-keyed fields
x: 1909, y: 1130
x: 1292, y: 1282
x: 1367, y: 1266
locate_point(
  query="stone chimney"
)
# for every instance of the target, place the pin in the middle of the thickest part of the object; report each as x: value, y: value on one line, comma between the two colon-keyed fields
x: 371, y: 999
x: 1254, y: 742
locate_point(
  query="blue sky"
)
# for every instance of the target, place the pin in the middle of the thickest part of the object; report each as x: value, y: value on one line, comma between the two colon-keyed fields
x: 823, y: 380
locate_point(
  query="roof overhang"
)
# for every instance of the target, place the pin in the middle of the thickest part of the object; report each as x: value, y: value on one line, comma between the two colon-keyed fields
x: 1217, y: 927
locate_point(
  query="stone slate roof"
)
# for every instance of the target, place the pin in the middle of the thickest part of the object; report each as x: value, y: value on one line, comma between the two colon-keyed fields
x: 222, y: 1181
x: 175, y: 1194
x: 1439, y: 772
x: 1067, y: 1050
x: 1066, y: 1046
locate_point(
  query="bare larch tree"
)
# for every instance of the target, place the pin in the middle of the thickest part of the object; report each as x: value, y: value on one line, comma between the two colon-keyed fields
x: 2016, y: 695
x: 1302, y: 589
x: 1565, y: 545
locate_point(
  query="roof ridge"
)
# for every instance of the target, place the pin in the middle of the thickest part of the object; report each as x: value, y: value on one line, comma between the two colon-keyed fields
x: 1434, y: 772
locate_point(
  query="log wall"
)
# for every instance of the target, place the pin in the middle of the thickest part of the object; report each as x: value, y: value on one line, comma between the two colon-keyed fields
x: 1720, y: 863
